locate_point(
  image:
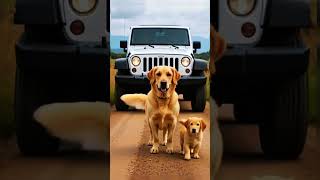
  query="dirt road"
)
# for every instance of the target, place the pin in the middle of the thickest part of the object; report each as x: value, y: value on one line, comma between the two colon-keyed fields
x: 130, y: 156
x: 63, y: 166
x: 243, y: 158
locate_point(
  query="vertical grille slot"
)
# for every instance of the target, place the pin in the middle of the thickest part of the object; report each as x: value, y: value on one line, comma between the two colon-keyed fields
x: 171, y: 62
x: 176, y: 64
x: 155, y: 62
x: 150, y: 64
x: 160, y: 61
x: 144, y: 64
x: 166, y: 61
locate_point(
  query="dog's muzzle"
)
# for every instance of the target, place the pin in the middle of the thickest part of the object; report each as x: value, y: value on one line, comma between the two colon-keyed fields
x: 163, y: 87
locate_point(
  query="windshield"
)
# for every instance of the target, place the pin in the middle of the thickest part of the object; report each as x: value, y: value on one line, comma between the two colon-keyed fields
x: 160, y: 36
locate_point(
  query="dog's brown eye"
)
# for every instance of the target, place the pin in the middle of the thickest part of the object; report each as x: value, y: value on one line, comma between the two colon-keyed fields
x: 158, y: 74
x: 191, y: 124
x: 168, y: 74
x: 198, y: 124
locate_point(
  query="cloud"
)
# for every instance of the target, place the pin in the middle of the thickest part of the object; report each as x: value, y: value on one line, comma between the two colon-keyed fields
x: 191, y: 13
x: 126, y: 8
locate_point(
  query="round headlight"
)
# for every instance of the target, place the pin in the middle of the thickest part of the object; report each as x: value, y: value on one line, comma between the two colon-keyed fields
x: 83, y: 6
x: 136, y: 61
x: 185, y: 61
x: 241, y: 7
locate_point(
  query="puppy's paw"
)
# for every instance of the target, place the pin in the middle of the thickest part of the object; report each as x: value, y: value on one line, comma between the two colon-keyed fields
x: 169, y: 150
x: 164, y: 143
x: 196, y: 156
x: 154, y: 150
x: 182, y: 152
x: 187, y: 157
x: 150, y: 143
x: 191, y: 151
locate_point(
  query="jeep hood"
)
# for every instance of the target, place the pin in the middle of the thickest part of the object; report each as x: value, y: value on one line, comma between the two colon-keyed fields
x: 161, y: 50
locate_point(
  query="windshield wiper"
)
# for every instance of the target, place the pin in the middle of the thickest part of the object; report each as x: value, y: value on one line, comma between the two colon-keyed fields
x: 174, y: 46
x: 151, y: 45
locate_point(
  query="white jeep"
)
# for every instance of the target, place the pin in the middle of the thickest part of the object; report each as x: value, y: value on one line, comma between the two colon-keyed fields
x: 150, y: 46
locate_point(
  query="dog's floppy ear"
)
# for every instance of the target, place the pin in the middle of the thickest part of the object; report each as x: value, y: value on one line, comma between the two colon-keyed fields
x: 176, y: 76
x: 217, y: 48
x: 203, y: 125
x: 151, y: 74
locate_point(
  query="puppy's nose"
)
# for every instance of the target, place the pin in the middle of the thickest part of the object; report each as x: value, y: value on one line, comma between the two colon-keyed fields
x: 193, y: 130
x: 163, y: 85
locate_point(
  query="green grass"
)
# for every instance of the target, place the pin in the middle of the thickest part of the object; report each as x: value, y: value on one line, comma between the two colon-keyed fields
x: 112, y: 83
x: 7, y: 67
x: 6, y: 114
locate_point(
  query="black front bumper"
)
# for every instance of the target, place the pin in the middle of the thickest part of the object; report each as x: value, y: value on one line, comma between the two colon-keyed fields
x: 135, y: 84
x: 264, y: 61
x: 244, y: 72
x: 64, y: 72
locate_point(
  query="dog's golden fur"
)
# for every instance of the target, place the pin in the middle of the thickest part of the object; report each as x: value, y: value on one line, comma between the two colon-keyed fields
x: 191, y: 135
x: 79, y: 122
x: 218, y: 46
x: 160, y: 104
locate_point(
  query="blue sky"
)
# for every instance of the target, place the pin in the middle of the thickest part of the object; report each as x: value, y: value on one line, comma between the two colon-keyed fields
x: 192, y: 13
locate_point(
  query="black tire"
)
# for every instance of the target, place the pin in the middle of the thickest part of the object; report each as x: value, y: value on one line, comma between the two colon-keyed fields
x: 284, y: 126
x: 120, y: 105
x: 198, y: 101
x: 32, y: 138
x: 247, y: 112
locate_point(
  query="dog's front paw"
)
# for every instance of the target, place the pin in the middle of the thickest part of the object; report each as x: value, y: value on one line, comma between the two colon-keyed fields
x: 196, y: 156
x: 154, y: 150
x: 187, y: 157
x: 169, y: 150
x: 164, y: 143
x: 150, y: 143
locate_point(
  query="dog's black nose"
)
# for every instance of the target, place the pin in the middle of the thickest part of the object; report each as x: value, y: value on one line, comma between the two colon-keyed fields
x: 163, y: 85
x: 193, y: 130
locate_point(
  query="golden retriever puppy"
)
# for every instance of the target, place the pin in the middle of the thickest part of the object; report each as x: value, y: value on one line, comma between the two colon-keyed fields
x: 160, y: 104
x: 191, y: 135
x: 84, y: 123
x: 218, y: 47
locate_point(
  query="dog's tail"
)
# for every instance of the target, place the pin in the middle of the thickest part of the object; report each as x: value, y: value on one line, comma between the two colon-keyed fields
x: 137, y: 101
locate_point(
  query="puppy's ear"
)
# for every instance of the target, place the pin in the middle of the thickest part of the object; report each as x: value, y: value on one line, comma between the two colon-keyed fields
x: 151, y: 75
x: 203, y: 125
x: 184, y: 122
x: 176, y: 76
x: 217, y: 48
x: 181, y: 121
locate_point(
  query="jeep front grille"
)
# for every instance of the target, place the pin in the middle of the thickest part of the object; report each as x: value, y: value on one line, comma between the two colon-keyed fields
x: 150, y: 62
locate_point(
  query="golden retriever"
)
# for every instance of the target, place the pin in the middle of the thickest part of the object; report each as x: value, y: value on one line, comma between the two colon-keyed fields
x: 160, y: 104
x: 191, y: 135
x: 218, y: 47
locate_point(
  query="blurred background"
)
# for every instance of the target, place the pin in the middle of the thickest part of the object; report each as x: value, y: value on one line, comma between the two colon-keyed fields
x: 9, y: 34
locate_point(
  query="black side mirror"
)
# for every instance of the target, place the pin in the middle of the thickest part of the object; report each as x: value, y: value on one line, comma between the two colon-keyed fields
x: 124, y: 45
x: 196, y: 45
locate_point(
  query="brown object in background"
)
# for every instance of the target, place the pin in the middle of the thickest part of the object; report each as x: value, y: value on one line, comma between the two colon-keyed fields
x: 217, y: 48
